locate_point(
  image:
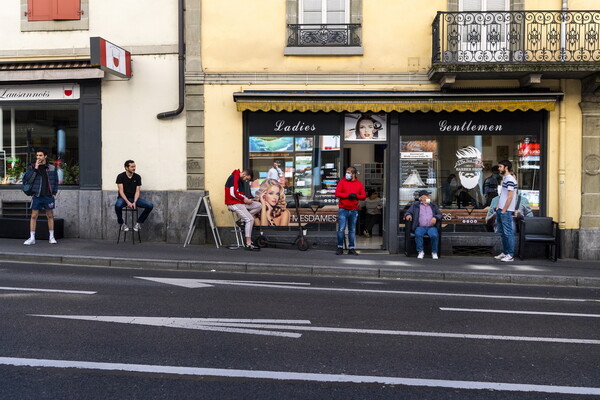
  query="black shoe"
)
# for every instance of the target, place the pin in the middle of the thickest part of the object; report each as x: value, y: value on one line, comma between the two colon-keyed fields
x: 240, y: 223
x: 339, y: 251
x: 252, y: 247
x: 352, y: 252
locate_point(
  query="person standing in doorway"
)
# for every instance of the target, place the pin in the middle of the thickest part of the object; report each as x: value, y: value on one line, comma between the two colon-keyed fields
x: 45, y: 187
x: 238, y: 200
x: 349, y: 191
x: 129, y: 185
x: 505, y: 211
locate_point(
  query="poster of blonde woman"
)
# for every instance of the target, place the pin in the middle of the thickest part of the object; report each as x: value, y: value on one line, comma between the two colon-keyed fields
x: 274, y: 212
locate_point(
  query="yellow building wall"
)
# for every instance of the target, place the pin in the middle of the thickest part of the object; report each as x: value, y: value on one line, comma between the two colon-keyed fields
x: 396, y: 38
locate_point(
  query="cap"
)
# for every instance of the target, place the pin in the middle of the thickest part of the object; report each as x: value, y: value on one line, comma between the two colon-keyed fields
x: 423, y: 192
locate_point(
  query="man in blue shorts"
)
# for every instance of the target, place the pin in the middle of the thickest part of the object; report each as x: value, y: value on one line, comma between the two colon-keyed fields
x: 45, y: 187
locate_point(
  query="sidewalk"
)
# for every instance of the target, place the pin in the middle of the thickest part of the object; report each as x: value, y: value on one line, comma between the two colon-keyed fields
x: 290, y: 261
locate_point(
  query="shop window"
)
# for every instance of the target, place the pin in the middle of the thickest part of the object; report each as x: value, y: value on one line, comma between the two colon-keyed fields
x: 48, y: 10
x: 26, y: 128
x: 306, y: 164
x: 459, y: 172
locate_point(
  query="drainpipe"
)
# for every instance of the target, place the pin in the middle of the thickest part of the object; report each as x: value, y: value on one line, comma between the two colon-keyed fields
x: 562, y: 156
x: 181, y: 59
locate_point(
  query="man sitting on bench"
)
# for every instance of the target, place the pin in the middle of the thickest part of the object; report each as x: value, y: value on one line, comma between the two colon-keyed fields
x: 424, y: 216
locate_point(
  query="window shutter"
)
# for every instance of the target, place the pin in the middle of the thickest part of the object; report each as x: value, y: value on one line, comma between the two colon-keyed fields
x: 39, y: 10
x: 67, y: 9
x: 471, y: 5
x: 497, y: 5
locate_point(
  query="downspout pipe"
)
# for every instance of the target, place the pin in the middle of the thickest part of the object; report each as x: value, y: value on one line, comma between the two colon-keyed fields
x: 181, y: 58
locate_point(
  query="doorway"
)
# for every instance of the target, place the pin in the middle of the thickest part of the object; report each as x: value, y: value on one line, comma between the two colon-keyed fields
x: 369, y: 161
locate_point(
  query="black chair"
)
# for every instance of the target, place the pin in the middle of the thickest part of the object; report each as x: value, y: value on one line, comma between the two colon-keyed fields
x: 130, y: 222
x: 541, y: 230
x: 409, y: 238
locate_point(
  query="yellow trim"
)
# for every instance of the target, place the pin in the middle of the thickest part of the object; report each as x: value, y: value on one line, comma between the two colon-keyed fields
x: 400, y: 106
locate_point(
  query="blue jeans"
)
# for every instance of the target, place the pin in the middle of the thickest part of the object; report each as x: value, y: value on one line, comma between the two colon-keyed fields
x: 346, y: 217
x: 430, y: 231
x: 504, y: 223
x: 141, y: 203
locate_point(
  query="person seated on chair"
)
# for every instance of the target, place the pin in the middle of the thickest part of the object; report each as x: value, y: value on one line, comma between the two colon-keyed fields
x: 129, y: 184
x: 240, y: 201
x: 424, y: 216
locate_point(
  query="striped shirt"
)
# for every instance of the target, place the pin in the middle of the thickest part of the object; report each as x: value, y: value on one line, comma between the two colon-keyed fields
x: 509, y: 183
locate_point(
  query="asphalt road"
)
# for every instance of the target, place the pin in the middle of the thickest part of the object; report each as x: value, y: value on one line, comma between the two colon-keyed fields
x: 98, y: 333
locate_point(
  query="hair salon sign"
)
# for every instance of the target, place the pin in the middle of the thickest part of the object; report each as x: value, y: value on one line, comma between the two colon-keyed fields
x: 39, y: 92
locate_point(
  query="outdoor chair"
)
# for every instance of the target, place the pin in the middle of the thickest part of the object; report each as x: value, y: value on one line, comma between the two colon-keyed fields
x: 541, y: 230
x: 410, y: 247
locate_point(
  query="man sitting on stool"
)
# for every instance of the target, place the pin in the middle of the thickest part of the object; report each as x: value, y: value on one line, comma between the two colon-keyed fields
x: 424, y: 215
x: 129, y: 184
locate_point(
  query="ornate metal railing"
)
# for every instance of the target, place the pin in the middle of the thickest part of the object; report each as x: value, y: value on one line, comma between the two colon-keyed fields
x: 317, y: 35
x: 516, y: 36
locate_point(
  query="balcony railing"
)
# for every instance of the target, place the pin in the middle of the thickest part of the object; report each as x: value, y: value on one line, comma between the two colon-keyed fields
x: 516, y: 37
x: 322, y: 35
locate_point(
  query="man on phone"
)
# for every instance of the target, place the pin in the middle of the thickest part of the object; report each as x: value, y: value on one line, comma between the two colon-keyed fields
x: 45, y: 187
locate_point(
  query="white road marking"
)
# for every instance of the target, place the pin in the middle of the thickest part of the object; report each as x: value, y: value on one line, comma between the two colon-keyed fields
x: 259, y: 328
x: 298, y: 376
x: 199, y: 283
x: 20, y: 289
x: 481, y: 310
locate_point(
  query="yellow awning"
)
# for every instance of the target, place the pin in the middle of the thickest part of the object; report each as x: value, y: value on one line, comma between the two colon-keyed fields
x: 347, y: 105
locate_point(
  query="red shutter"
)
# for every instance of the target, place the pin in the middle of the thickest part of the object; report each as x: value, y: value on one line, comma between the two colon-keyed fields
x: 48, y: 10
x: 40, y: 10
x: 67, y: 9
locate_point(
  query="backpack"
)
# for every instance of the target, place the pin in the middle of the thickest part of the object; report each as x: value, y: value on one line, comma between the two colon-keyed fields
x: 28, y: 185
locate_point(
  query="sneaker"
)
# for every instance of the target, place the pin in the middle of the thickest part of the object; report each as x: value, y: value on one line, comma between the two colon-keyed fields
x: 137, y: 227
x: 421, y: 254
x: 124, y: 228
x: 339, y: 251
x: 251, y: 247
x: 29, y: 241
x: 434, y: 256
x: 366, y: 234
x: 352, y: 252
x: 52, y: 240
x: 500, y: 256
x: 240, y: 223
x: 507, y: 259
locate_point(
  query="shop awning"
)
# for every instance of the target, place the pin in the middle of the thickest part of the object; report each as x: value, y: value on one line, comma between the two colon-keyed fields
x: 49, y: 70
x: 370, y: 101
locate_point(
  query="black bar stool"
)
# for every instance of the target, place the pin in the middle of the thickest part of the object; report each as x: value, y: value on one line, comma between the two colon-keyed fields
x: 130, y: 216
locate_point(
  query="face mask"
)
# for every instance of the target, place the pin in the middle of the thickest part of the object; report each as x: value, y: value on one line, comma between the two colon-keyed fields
x: 349, y: 176
x: 427, y: 201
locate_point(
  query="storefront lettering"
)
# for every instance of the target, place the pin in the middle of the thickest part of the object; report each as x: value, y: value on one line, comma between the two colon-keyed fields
x: 468, y: 126
x: 10, y: 94
x: 281, y: 126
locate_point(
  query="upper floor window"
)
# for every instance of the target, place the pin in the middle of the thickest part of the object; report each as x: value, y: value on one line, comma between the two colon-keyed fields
x: 484, y: 5
x: 324, y: 27
x: 50, y: 10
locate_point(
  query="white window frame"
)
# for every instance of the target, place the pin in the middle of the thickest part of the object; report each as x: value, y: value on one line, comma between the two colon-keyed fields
x: 324, y: 12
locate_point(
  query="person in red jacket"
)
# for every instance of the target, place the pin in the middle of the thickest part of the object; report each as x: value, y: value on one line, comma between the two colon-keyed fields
x: 349, y: 190
x: 238, y: 200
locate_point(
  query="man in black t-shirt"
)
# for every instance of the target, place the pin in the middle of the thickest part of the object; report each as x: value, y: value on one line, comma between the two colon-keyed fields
x: 129, y: 184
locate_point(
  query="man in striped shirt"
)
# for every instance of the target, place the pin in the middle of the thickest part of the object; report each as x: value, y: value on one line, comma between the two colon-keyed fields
x: 505, y: 211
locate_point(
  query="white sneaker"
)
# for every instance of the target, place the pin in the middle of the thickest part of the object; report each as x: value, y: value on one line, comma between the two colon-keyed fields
x: 137, y: 227
x: 421, y: 255
x: 500, y: 256
x: 52, y: 240
x: 434, y: 256
x: 124, y: 228
x: 29, y: 241
x: 507, y: 259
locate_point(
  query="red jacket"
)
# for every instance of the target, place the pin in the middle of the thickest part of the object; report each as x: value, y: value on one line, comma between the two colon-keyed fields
x: 234, y: 189
x: 343, y: 190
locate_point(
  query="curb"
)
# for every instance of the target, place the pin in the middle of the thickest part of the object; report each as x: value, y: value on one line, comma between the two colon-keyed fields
x: 291, y: 269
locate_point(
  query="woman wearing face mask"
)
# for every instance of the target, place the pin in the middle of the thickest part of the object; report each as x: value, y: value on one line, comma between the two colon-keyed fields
x: 272, y: 199
x: 424, y: 216
x: 349, y: 191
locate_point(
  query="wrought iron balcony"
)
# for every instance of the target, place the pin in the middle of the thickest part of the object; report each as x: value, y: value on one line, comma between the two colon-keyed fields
x: 542, y: 41
x: 322, y: 35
